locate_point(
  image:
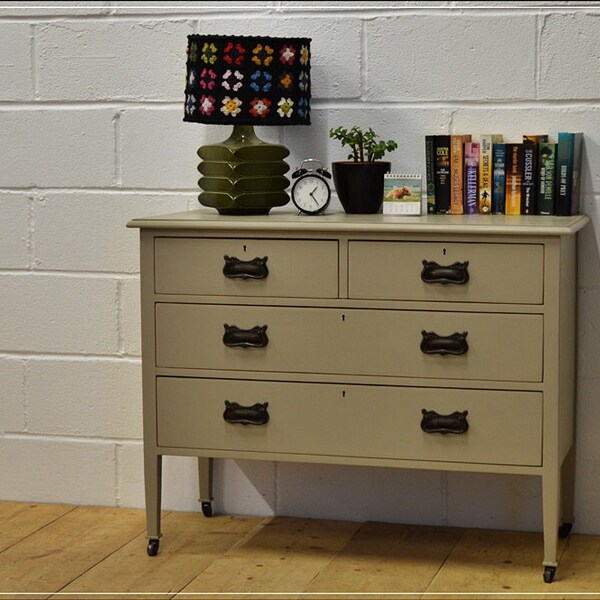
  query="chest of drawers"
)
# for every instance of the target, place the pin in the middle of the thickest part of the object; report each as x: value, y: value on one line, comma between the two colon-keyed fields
x: 439, y: 342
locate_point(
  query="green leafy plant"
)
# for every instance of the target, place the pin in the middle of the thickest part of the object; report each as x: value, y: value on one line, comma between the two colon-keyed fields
x: 365, y: 145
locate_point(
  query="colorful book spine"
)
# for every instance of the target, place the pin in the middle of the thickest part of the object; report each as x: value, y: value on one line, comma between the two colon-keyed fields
x: 499, y: 181
x: 528, y: 192
x: 568, y: 164
x: 456, y: 173
x: 514, y: 176
x: 430, y: 172
x: 442, y: 174
x: 529, y: 182
x: 486, y: 171
x: 472, y: 178
x: 547, y: 170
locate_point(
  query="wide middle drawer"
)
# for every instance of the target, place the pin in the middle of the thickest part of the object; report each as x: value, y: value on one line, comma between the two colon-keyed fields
x: 498, y: 427
x: 449, y: 272
x: 246, y: 267
x: 454, y: 345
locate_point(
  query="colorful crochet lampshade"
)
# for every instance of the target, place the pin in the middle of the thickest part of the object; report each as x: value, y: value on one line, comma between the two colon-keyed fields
x: 245, y: 81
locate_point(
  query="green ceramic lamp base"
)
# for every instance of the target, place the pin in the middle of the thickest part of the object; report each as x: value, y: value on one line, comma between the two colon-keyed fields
x: 243, y: 175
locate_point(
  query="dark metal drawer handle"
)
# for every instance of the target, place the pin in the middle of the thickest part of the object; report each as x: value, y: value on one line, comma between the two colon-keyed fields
x: 246, y: 415
x: 433, y: 422
x: 456, y: 273
x: 234, y: 268
x: 246, y: 338
x: 432, y: 343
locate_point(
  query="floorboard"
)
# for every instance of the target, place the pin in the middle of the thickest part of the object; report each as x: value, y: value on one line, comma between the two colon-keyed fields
x: 18, y: 520
x: 53, y: 556
x: 284, y: 556
x: 190, y: 543
x: 65, y: 552
x: 383, y: 557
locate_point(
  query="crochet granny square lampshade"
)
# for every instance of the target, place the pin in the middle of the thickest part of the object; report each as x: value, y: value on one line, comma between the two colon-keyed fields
x: 245, y: 81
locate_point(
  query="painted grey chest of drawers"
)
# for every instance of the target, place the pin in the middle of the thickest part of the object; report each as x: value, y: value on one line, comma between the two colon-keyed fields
x: 436, y: 342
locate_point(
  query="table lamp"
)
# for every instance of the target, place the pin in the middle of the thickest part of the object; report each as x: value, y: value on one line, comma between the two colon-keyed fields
x: 245, y: 81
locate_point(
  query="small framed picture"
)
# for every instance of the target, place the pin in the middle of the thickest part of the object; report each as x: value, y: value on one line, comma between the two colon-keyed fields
x: 401, y: 194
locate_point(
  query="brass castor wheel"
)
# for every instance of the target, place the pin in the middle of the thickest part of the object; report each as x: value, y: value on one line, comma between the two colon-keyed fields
x: 152, y: 548
x: 564, y: 530
x: 207, y: 509
x: 549, y: 573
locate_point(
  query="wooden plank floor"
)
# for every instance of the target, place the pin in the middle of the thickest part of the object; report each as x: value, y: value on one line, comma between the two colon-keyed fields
x: 65, y: 552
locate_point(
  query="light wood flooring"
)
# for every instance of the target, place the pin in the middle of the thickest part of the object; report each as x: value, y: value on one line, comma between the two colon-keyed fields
x: 66, y: 552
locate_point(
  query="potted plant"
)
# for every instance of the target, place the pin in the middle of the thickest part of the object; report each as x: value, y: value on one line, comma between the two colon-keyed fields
x: 359, y: 180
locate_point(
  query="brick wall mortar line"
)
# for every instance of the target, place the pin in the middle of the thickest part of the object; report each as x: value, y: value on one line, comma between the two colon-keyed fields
x: 318, y: 104
x: 306, y: 12
x: 34, y: 52
x: 118, y: 178
x: 132, y: 359
x: 48, y: 437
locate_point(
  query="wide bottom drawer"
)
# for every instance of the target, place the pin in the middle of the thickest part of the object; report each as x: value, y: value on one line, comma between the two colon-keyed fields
x: 498, y: 427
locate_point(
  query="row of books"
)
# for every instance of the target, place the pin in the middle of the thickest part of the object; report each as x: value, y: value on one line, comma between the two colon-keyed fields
x: 488, y: 176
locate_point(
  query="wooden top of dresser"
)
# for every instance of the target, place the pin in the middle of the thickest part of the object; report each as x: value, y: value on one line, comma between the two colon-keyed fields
x: 340, y: 222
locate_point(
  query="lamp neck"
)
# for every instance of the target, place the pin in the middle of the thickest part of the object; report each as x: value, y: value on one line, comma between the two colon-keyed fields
x: 243, y: 134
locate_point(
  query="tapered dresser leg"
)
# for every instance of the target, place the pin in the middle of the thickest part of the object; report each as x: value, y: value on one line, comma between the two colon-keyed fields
x: 205, y: 467
x: 551, y: 510
x: 567, y: 495
x: 153, y: 485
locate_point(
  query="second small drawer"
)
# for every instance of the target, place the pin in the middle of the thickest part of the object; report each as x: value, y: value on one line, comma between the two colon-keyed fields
x: 449, y: 272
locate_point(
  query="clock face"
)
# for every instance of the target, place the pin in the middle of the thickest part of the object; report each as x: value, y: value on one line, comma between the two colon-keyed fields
x: 311, y: 194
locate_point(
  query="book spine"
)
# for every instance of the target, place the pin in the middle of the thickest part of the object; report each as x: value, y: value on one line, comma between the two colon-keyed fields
x: 442, y: 174
x: 514, y: 175
x: 430, y: 172
x: 564, y: 169
x: 486, y: 171
x: 536, y: 139
x: 547, y: 162
x: 472, y: 178
x: 528, y: 182
x: 499, y: 183
x: 456, y: 173
x: 576, y: 175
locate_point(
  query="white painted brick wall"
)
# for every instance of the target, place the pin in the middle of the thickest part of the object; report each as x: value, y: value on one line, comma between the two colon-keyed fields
x: 97, y: 398
x: 570, y: 47
x: 129, y: 293
x: 58, y: 314
x: 149, y: 160
x: 14, y: 231
x: 113, y: 60
x: 12, y: 395
x: 56, y: 148
x: 462, y: 66
x: 112, y: 248
x: 66, y: 470
x: 92, y: 135
x: 16, y: 80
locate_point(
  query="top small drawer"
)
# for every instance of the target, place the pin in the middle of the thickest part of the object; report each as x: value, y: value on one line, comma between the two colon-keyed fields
x: 293, y: 268
x: 500, y: 273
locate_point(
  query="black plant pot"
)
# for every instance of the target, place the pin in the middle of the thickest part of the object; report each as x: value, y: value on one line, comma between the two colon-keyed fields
x: 359, y: 186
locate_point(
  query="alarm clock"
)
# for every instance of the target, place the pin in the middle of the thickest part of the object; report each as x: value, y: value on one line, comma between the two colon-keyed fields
x: 311, y: 192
